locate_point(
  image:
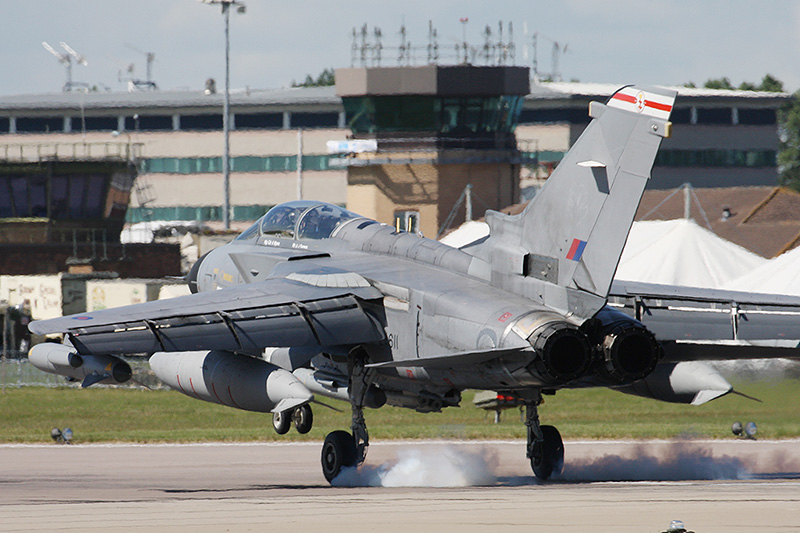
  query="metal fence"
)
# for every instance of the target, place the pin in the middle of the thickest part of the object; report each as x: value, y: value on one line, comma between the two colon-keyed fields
x: 19, y: 372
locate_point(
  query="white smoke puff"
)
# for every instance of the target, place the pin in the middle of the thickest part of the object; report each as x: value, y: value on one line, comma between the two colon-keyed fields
x: 680, y: 462
x: 440, y: 467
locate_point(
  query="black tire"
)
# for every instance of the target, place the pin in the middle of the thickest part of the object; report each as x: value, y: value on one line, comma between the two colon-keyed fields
x: 303, y: 419
x: 338, y: 451
x: 550, y: 460
x: 281, y: 422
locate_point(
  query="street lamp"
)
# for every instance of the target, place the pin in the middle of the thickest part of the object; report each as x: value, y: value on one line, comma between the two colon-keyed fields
x: 226, y: 167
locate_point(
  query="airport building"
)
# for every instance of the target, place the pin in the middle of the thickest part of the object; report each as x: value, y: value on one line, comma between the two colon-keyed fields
x: 300, y: 142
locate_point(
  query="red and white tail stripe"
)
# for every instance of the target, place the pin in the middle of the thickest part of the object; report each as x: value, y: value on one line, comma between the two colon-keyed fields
x: 637, y: 100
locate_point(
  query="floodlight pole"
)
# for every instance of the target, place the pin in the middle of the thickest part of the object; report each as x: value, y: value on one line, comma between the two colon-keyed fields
x: 226, y: 110
x: 226, y: 105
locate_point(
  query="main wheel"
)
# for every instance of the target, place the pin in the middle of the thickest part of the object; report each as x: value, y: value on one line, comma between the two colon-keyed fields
x: 303, y: 418
x: 281, y: 422
x: 548, y: 457
x: 338, y: 451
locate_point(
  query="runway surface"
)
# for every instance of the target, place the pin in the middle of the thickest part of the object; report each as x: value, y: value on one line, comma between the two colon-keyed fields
x: 725, y: 486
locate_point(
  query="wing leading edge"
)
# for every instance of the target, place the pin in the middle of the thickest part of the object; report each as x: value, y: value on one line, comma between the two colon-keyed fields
x: 247, y: 318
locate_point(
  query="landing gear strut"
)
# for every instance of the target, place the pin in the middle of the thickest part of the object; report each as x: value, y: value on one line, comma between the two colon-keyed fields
x: 341, y: 448
x: 545, y: 447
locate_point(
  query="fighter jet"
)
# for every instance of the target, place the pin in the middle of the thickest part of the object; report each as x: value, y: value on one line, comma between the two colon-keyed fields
x: 315, y: 300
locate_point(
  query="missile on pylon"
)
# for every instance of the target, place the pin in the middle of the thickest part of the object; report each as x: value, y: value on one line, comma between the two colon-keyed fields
x: 65, y: 361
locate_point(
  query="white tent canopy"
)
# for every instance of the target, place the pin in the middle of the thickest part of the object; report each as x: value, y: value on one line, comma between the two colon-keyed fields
x: 679, y: 252
x: 780, y: 275
x: 671, y: 252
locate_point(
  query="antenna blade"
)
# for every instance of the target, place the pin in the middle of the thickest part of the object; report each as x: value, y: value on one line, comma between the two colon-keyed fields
x: 79, y: 58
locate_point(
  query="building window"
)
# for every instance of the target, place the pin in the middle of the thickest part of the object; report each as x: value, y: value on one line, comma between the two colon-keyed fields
x: 40, y: 124
x: 714, y: 115
x: 716, y: 158
x: 681, y: 115
x: 5, y: 124
x: 566, y: 115
x: 757, y: 117
x: 247, y: 163
x: 71, y: 197
x: 314, y: 120
x: 201, y: 122
x: 148, y: 123
x: 259, y: 121
x: 93, y: 123
x: 421, y: 113
x: 200, y: 213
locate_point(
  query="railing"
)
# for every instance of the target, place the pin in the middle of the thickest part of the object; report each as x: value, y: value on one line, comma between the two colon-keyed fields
x: 70, y: 151
x: 17, y: 372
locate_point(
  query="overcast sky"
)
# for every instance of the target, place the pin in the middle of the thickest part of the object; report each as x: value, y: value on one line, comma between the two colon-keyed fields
x: 666, y: 42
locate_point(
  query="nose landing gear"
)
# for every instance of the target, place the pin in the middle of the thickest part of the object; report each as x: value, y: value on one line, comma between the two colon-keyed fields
x: 302, y: 417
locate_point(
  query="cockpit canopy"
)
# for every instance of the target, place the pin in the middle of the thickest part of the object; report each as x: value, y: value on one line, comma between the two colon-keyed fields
x: 301, y: 219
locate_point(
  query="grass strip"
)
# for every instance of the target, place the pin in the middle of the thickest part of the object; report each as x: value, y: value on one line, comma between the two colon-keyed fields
x: 98, y: 414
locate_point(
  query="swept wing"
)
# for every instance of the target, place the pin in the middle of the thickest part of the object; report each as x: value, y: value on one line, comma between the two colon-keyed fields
x: 275, y: 312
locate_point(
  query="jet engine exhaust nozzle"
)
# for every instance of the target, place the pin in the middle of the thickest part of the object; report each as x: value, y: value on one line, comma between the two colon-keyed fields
x: 563, y: 353
x: 630, y: 353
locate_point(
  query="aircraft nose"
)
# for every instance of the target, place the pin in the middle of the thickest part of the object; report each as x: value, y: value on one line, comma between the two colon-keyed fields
x: 191, y: 277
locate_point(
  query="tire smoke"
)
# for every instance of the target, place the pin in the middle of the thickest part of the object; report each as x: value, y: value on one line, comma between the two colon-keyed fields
x: 444, y: 467
x: 678, y: 461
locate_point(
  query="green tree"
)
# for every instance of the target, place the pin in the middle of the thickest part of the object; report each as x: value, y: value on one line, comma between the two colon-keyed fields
x: 789, y: 133
x: 721, y: 83
x: 770, y: 84
x: 325, y: 78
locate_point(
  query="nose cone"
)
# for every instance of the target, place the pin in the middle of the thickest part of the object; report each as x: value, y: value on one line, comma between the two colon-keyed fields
x: 286, y: 391
x: 165, y: 367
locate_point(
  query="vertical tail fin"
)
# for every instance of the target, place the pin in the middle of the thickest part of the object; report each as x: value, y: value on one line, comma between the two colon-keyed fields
x: 576, y: 226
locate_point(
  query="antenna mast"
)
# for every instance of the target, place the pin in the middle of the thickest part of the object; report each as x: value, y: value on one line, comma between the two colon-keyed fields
x: 66, y: 60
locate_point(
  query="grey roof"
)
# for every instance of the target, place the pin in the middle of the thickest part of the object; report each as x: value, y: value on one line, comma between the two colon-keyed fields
x: 325, y: 96
x: 170, y: 99
x: 576, y: 90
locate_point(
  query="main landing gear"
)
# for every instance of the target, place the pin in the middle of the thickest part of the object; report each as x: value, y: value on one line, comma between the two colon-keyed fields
x: 545, y: 447
x: 302, y: 417
x: 342, y: 449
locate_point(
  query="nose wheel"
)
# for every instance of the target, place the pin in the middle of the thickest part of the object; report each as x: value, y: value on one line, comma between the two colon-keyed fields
x: 302, y: 417
x: 338, y: 451
x: 281, y: 422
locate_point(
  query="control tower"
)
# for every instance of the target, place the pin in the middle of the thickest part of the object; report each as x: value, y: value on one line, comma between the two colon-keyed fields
x: 422, y: 137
